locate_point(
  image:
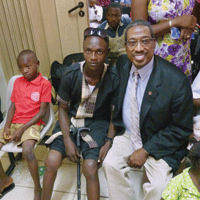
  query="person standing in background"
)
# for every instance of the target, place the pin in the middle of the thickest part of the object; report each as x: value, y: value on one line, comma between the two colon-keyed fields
x: 173, y: 26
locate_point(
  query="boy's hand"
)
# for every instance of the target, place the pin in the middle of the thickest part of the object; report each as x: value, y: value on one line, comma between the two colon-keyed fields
x: 103, y: 152
x: 7, y: 135
x: 72, y: 151
x: 17, y: 135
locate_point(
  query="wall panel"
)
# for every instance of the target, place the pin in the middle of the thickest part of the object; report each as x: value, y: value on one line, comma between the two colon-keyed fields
x: 43, y: 26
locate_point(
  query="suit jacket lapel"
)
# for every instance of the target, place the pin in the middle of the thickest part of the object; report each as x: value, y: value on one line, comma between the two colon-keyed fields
x: 151, y: 91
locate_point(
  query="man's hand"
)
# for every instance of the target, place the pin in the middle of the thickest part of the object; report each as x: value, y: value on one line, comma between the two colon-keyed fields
x: 17, y: 135
x: 72, y: 151
x: 138, y: 158
x: 103, y: 152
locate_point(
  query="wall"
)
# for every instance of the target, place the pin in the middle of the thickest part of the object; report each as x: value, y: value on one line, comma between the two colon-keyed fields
x: 44, y: 26
x: 3, y: 90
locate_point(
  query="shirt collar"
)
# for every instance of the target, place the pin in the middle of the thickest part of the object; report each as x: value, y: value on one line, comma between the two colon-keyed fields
x: 120, y: 24
x: 144, y: 71
x: 36, y: 81
x: 104, y: 70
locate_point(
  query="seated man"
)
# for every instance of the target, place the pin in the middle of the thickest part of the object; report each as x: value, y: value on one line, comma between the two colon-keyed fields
x: 86, y: 96
x: 29, y: 101
x: 115, y: 26
x: 155, y: 112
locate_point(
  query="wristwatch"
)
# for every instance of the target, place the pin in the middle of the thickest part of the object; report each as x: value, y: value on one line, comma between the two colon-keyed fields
x: 109, y: 139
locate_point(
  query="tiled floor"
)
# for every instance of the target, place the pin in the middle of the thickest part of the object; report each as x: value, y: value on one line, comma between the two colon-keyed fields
x: 65, y: 187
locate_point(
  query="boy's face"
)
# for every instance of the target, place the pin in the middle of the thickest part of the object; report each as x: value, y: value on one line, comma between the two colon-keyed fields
x: 28, y: 65
x: 95, y: 50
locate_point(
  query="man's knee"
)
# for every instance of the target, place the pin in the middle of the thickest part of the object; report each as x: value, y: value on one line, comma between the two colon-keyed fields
x: 90, y: 168
x: 106, y: 165
x: 53, y: 161
x: 156, y: 187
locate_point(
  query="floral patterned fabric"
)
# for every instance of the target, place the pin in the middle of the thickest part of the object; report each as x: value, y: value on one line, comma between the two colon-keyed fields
x: 181, y: 187
x: 104, y: 3
x: 176, y: 52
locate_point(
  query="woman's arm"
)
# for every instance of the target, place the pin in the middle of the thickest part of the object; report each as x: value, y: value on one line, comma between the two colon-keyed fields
x: 139, y: 10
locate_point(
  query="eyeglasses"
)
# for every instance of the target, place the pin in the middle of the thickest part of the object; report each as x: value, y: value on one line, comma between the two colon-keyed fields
x: 144, y: 42
x: 96, y: 32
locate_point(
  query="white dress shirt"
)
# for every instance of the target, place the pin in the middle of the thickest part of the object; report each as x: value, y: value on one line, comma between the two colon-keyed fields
x: 95, y: 19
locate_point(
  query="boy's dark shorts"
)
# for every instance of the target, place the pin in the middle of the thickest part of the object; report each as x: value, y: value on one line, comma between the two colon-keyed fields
x: 86, y: 151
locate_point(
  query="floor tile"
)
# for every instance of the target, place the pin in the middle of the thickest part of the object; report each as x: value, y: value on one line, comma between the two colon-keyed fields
x: 20, y: 193
x: 84, y: 197
x: 63, y: 196
x: 22, y: 176
x: 66, y: 179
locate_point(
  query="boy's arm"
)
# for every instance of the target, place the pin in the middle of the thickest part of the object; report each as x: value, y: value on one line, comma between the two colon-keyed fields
x: 18, y: 133
x: 112, y: 128
x: 10, y: 115
x: 70, y: 148
x: 108, y: 143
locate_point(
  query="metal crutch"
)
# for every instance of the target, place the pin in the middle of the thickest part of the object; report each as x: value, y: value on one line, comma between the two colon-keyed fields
x: 79, y: 164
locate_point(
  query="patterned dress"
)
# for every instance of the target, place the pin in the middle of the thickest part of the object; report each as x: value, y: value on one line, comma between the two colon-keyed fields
x: 176, y: 52
x: 104, y: 3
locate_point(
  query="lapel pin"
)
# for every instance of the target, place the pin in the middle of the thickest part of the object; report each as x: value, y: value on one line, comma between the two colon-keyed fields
x: 150, y: 92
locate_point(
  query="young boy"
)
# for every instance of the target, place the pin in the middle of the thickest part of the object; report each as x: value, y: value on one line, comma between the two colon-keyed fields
x: 29, y: 101
x: 85, y: 96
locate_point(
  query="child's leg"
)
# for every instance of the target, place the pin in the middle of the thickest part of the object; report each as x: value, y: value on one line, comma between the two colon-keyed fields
x: 90, y: 171
x: 5, y: 180
x: 29, y: 156
x: 52, y: 163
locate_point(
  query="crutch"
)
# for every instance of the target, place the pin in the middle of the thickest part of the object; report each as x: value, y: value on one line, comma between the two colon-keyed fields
x: 79, y: 164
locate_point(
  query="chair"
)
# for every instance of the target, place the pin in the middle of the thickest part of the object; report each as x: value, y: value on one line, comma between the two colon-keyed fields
x: 121, y: 61
x: 58, y: 69
x: 73, y: 58
x: 12, y: 147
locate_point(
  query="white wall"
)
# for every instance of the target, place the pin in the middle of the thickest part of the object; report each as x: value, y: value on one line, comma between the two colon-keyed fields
x: 3, y: 90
